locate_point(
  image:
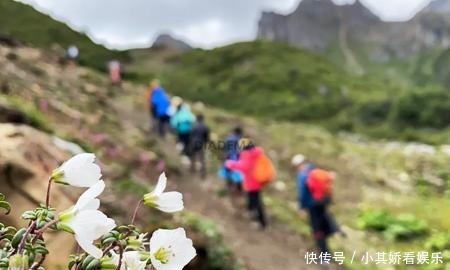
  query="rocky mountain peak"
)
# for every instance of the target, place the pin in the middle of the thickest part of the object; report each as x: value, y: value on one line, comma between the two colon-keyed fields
x: 316, y: 24
x: 169, y: 42
x: 439, y: 6
x: 320, y: 25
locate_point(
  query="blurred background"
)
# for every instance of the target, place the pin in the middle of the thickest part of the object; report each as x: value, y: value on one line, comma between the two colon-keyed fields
x: 358, y: 87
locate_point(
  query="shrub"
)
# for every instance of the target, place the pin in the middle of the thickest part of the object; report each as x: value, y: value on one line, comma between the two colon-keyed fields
x: 402, y: 227
x: 405, y: 227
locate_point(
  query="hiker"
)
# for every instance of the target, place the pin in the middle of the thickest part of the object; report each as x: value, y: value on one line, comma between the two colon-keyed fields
x: 72, y: 54
x: 159, y: 105
x: 148, y: 101
x: 115, y: 73
x: 182, y: 123
x: 233, y: 179
x: 315, y: 192
x: 249, y: 164
x: 174, y: 103
x: 199, y: 140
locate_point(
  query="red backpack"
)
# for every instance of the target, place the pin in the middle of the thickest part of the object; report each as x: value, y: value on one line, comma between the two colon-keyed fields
x: 320, y: 184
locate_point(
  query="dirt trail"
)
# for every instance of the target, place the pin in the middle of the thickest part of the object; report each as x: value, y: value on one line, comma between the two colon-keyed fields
x: 275, y: 248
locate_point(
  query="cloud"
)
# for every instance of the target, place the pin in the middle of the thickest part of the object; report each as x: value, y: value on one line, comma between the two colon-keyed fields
x: 204, y: 23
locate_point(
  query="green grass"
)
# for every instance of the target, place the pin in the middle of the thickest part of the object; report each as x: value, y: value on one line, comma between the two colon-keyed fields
x: 33, y: 116
x: 271, y: 80
x: 24, y: 23
x: 220, y: 256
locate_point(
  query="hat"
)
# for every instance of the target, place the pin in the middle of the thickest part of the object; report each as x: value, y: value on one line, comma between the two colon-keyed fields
x: 245, y: 143
x: 176, y: 101
x: 298, y: 159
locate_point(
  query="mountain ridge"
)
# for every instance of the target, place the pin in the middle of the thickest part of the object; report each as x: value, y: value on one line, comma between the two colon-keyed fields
x: 316, y: 25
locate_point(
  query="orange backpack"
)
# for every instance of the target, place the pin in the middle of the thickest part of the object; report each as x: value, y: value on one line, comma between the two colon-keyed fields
x: 320, y: 184
x: 264, y: 171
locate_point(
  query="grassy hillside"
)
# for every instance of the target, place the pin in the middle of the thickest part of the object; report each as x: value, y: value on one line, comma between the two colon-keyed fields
x: 434, y: 69
x: 39, y: 30
x: 274, y: 80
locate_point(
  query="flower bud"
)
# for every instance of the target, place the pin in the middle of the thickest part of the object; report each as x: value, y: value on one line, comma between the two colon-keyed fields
x: 18, y: 262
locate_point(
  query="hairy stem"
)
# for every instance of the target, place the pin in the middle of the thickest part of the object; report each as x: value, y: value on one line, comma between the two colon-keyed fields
x: 47, y: 198
x: 30, y: 228
x: 136, y: 211
x: 119, y: 265
x: 36, y: 265
x: 109, y: 248
x: 43, y: 229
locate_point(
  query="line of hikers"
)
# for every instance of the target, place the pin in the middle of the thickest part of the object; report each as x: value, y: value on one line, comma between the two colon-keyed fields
x: 246, y: 168
x: 174, y: 115
x: 114, y: 67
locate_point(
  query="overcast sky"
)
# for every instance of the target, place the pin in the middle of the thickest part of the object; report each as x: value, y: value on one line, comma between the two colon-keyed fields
x: 202, y: 23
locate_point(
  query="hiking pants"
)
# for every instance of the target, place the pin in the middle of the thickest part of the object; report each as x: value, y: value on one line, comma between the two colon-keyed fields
x: 322, y: 226
x: 163, y: 123
x: 199, y: 155
x: 255, y: 205
x: 185, y: 140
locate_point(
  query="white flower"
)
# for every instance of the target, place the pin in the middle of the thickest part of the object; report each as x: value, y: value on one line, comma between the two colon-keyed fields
x: 169, y: 202
x: 85, y: 221
x: 171, y: 249
x: 131, y: 260
x: 79, y: 171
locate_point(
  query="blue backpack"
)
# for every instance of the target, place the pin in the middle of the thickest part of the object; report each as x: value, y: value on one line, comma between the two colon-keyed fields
x: 183, y: 121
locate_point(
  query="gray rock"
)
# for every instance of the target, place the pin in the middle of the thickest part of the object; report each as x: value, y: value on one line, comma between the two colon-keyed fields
x: 321, y: 25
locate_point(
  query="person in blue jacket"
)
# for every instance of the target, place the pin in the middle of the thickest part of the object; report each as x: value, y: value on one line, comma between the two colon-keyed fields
x: 322, y: 223
x: 305, y: 199
x: 160, y: 103
x: 232, y: 149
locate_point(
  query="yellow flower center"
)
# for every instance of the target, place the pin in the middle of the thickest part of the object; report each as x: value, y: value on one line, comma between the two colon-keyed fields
x: 58, y: 176
x: 162, y: 255
x: 150, y: 200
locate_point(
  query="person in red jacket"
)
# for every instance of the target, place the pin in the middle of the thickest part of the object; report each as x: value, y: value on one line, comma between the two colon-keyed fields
x: 246, y: 163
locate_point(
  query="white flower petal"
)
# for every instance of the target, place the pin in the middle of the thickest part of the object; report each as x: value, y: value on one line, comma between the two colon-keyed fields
x: 88, y: 226
x: 91, y: 224
x: 170, y: 202
x: 89, y: 195
x: 132, y: 261
x: 175, y: 242
x: 81, y: 171
x: 88, y: 246
x: 161, y: 185
x: 92, y: 205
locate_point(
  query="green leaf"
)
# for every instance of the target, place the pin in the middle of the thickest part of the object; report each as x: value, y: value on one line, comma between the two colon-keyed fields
x: 18, y: 237
x: 93, y: 264
x: 29, y: 215
x: 41, y: 250
x: 6, y: 206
